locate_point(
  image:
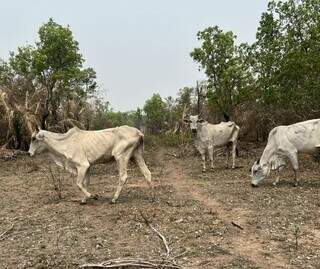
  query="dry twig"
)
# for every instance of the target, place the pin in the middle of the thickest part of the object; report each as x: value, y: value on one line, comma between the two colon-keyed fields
x: 164, y: 240
x: 2, y: 236
x: 133, y: 262
x: 236, y: 225
x: 56, y: 182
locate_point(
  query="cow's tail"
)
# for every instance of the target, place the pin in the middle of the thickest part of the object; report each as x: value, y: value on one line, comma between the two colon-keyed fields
x: 140, y: 144
x: 236, y: 131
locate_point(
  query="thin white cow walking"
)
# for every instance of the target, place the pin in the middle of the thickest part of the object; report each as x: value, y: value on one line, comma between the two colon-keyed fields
x: 77, y: 150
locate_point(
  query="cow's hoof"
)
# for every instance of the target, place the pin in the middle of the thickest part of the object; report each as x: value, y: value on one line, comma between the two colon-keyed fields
x: 83, y: 202
x: 113, y: 201
x: 94, y: 196
x: 295, y: 184
x: 203, y: 170
x: 275, y: 183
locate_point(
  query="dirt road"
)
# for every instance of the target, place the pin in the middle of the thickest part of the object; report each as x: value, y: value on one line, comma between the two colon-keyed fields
x: 245, y: 241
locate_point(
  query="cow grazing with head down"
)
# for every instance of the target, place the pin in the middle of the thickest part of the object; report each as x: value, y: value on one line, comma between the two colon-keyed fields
x: 77, y: 150
x: 286, y: 142
x: 210, y: 136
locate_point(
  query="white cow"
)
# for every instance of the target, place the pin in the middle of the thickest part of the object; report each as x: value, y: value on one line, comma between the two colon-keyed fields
x: 209, y: 136
x: 77, y: 150
x: 286, y: 142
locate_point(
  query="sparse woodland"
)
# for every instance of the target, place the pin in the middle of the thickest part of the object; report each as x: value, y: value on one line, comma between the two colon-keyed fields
x: 273, y: 81
x: 188, y: 219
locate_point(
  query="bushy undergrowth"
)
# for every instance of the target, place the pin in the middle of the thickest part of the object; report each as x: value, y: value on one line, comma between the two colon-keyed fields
x: 167, y: 140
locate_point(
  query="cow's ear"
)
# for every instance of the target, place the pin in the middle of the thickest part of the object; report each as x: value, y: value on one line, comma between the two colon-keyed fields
x: 201, y: 120
x: 186, y: 120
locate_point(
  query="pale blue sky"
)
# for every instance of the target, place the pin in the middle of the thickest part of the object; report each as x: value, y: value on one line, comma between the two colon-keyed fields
x: 137, y: 47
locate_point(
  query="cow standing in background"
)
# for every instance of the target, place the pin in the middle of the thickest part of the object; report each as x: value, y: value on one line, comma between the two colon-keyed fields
x: 210, y: 136
x: 286, y: 142
x: 77, y: 150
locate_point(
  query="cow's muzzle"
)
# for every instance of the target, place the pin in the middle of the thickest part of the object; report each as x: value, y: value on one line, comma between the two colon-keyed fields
x: 194, y: 131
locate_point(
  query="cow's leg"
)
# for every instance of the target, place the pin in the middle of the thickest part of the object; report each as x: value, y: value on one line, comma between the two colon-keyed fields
x: 122, y: 164
x: 278, y: 175
x: 82, y: 170
x: 137, y: 155
x: 87, y: 183
x: 210, y: 152
x: 234, y: 149
x: 277, y: 179
x: 227, y: 156
x: 87, y: 179
x: 296, y: 180
x: 203, y: 157
x: 293, y: 156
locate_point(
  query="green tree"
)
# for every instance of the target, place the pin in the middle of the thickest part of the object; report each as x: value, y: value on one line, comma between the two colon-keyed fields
x: 223, y: 62
x: 287, y: 57
x: 55, y: 66
x: 156, y: 114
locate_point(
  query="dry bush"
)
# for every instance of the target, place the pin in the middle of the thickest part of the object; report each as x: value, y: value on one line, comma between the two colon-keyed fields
x: 19, y: 117
x: 21, y: 113
x: 56, y: 180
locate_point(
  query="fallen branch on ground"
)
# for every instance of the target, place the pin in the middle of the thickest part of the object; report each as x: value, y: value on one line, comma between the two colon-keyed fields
x: 164, y: 240
x: 131, y: 262
x: 2, y: 236
x: 237, y: 225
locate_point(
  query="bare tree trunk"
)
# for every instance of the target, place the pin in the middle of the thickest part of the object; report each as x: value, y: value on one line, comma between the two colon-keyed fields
x: 46, y: 111
x: 198, y: 98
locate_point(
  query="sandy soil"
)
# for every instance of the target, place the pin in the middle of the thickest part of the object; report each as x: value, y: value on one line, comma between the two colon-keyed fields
x: 211, y: 220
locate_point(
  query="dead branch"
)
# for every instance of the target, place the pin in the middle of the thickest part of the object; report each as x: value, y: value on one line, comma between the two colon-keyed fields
x: 236, y: 225
x: 130, y: 262
x: 180, y: 255
x: 164, y: 240
x: 56, y: 182
x: 2, y: 236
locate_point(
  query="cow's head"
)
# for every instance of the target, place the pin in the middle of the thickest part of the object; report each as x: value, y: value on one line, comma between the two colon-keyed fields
x: 194, y: 122
x: 258, y: 172
x: 37, y: 144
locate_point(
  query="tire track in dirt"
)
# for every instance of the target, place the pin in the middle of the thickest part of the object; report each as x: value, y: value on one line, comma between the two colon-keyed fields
x: 247, y: 242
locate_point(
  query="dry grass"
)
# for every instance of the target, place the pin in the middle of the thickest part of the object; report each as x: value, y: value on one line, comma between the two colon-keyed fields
x: 194, y: 211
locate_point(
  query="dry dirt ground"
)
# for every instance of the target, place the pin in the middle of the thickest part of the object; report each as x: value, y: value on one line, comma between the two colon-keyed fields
x: 211, y: 220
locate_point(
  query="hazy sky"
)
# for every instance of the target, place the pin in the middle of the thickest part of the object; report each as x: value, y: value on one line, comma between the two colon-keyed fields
x: 137, y: 47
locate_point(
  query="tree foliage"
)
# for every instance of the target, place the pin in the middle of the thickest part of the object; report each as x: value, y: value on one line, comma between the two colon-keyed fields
x: 224, y: 63
x: 287, y: 56
x: 47, y: 82
x: 54, y: 66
